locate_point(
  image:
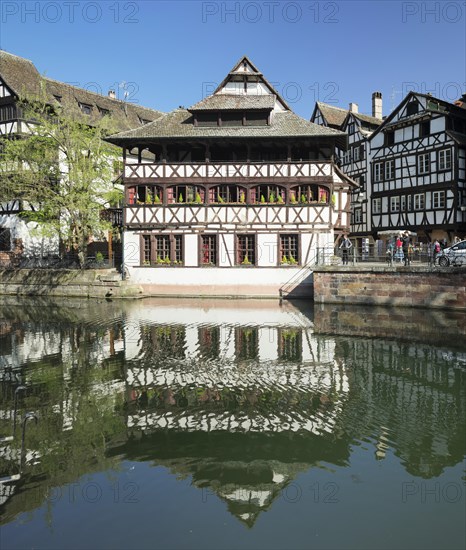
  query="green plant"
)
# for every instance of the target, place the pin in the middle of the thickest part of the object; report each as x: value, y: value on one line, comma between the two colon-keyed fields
x: 272, y: 197
x: 284, y: 260
x: 99, y: 257
x: 293, y: 198
x: 220, y: 199
x: 303, y: 198
x: 148, y: 197
x: 246, y: 261
x: 292, y: 260
x: 262, y: 199
x: 198, y: 198
x: 180, y: 198
x: 334, y: 199
x: 157, y: 199
x: 242, y: 197
x: 280, y: 199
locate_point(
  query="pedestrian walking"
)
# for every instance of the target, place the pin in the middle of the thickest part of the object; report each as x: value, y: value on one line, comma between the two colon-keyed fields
x: 435, y: 250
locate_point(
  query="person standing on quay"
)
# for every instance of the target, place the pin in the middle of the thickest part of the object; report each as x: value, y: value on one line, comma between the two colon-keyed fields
x: 345, y: 245
x: 405, y: 247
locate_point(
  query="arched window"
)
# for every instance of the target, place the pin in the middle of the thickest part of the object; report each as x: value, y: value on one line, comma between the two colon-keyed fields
x: 186, y: 194
x: 227, y: 194
x: 268, y: 194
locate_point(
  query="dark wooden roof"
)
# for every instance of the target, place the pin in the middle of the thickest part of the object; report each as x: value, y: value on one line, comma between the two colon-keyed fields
x: 225, y: 102
x: 334, y: 116
x: 25, y: 81
x: 179, y: 124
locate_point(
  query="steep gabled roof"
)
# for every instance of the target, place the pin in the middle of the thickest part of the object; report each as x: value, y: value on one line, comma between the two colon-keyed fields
x: 334, y: 116
x: 226, y: 102
x: 178, y: 124
x: 244, y: 69
x: 434, y: 105
x: 24, y: 81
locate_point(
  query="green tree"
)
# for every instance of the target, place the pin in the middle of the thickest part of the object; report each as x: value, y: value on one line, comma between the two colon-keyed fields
x: 61, y: 169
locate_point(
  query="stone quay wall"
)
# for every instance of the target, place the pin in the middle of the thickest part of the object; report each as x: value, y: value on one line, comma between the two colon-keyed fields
x: 100, y: 283
x: 404, y: 287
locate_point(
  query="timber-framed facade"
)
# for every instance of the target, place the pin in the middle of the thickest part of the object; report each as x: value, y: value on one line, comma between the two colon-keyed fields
x: 418, y: 170
x: 237, y: 184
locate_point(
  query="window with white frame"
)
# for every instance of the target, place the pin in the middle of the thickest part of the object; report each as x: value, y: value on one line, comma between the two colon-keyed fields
x: 419, y: 201
x: 390, y: 169
x: 395, y: 204
x: 438, y: 199
x: 423, y: 163
x: 356, y: 153
x: 378, y: 167
x: 444, y: 159
x: 409, y: 205
x: 376, y: 206
x: 357, y: 215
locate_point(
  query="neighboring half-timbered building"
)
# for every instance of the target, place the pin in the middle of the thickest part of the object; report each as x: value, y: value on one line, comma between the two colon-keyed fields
x: 239, y: 194
x: 19, y: 78
x: 355, y: 161
x: 418, y: 169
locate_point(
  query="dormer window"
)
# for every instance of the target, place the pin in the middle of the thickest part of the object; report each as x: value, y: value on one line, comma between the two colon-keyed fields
x: 351, y: 128
x: 58, y: 98
x: 104, y: 112
x: 143, y: 121
x: 85, y: 108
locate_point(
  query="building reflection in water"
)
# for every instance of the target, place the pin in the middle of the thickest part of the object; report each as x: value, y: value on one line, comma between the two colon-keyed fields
x: 238, y: 397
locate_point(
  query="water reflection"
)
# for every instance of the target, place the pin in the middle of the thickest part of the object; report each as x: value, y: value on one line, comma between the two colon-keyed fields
x: 240, y: 398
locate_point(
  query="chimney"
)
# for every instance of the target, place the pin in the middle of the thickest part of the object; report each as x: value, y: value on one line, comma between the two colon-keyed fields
x: 111, y: 94
x: 377, y: 104
x: 353, y: 107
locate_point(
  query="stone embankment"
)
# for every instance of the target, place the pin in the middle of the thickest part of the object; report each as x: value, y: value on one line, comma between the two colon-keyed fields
x: 99, y: 283
x: 415, y: 286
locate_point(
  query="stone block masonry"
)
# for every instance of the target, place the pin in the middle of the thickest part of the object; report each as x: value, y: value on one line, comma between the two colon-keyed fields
x: 403, y: 287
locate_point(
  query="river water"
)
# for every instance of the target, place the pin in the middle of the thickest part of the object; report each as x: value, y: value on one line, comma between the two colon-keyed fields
x: 231, y: 424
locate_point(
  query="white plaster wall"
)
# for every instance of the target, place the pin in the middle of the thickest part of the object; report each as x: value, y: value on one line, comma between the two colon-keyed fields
x: 437, y: 125
x: 267, y: 249
x: 131, y: 255
x: 226, y: 250
x: 191, y: 244
x: 34, y: 244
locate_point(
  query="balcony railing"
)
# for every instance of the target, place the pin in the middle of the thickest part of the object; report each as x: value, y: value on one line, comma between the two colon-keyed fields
x: 112, y: 215
x: 230, y: 170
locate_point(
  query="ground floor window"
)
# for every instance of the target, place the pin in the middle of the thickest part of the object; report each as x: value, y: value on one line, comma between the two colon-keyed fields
x: 162, y: 250
x: 208, y: 250
x: 288, y: 249
x: 245, y: 250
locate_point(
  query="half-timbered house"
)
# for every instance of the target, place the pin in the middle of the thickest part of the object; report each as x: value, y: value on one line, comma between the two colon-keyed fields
x: 240, y: 192
x: 20, y: 79
x: 418, y: 169
x: 355, y: 160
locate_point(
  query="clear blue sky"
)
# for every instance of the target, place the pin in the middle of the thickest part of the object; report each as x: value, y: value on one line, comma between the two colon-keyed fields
x: 173, y: 53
